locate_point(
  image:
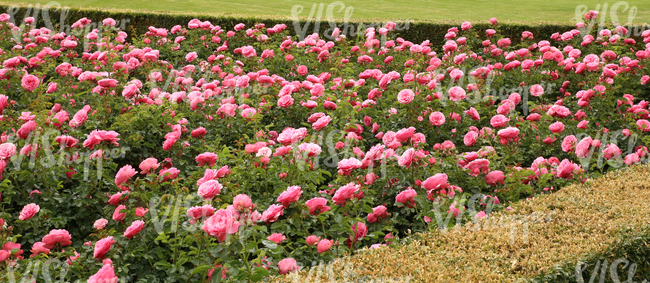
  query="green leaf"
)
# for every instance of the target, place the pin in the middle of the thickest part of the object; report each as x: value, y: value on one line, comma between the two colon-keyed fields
x: 269, y: 244
x: 202, y: 268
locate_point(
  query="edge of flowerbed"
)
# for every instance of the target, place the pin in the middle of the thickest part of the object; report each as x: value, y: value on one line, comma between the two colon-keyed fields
x: 413, y: 30
x: 575, y: 228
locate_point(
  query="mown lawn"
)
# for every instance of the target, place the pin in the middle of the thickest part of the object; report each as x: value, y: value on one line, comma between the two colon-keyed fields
x: 478, y: 10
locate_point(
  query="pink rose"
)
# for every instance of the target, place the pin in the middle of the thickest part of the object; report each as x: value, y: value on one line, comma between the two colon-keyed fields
x: 494, y: 177
x: 30, y: 82
x: 556, y: 127
x: 272, y: 213
x: 242, y: 202
x: 345, y: 193
x: 206, y: 158
x: 406, y: 197
x: 276, y: 238
x: 317, y: 205
x: 103, y: 246
x: 117, y: 215
x: 312, y: 240
x: 288, y: 265
x: 124, y: 174
x: 104, y: 275
x: 134, y: 229
x: 456, y: 94
x: 209, y: 189
x: 57, y: 236
x: 100, y: 223
x: 324, y: 245
x: 7, y: 150
x: 200, y: 212
x: 149, y: 165
x: 29, y: 211
x: 405, y: 96
x: 437, y: 118
x: 499, y: 121
x: 220, y: 225
x: 291, y: 195
x: 569, y: 142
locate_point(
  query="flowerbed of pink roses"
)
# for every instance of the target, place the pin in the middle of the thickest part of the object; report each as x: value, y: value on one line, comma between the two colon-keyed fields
x: 248, y: 153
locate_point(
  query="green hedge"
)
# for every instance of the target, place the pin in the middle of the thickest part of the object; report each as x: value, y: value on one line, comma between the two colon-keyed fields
x: 140, y: 21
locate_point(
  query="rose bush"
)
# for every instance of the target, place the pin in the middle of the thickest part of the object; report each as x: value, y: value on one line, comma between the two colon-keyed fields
x: 260, y: 154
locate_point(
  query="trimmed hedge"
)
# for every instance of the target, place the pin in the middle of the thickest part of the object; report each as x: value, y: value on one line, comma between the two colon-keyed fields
x: 602, y: 220
x: 140, y: 21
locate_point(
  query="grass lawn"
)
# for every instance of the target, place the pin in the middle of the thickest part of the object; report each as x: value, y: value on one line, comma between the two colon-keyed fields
x: 477, y: 10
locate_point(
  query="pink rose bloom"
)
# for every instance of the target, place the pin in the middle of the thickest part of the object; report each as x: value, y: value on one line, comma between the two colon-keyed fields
x: 508, y: 134
x: 494, y: 177
x: 57, y: 236
x: 288, y: 265
x: 378, y: 213
x: 291, y: 136
x: 360, y: 230
x: 272, y: 213
x: 134, y: 229
x: 456, y: 94
x: 478, y: 166
x: 209, y: 189
x: 612, y: 150
x: 632, y: 158
x: 117, y: 215
x: 105, y: 275
x: 472, y: 113
x: 149, y: 165
x: 169, y: 174
x: 470, y: 138
x: 346, y: 166
x: 198, y: 132
x: 643, y: 125
x: 124, y: 174
x: 103, y: 246
x: 285, y: 101
x: 289, y: 196
x: 312, y: 240
x: 582, y: 149
x: 206, y: 158
x: 564, y: 169
x: 317, y: 206
x: 141, y: 211
x: 248, y: 51
x: 39, y: 247
x: 405, y: 96
x: 499, y: 121
x: 220, y: 225
x: 404, y: 134
x: 200, y: 212
x: 407, y: 158
x: 556, y: 127
x: 7, y: 150
x: 29, y: 211
x: 437, y: 118
x: 30, y: 82
x: 536, y: 90
x: 324, y: 245
x: 345, y: 193
x: 276, y: 238
x: 100, y: 223
x: 569, y: 142
x: 242, y: 202
x: 321, y: 123
x: 191, y: 56
x: 107, y: 83
x: 434, y: 182
x: 406, y: 197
